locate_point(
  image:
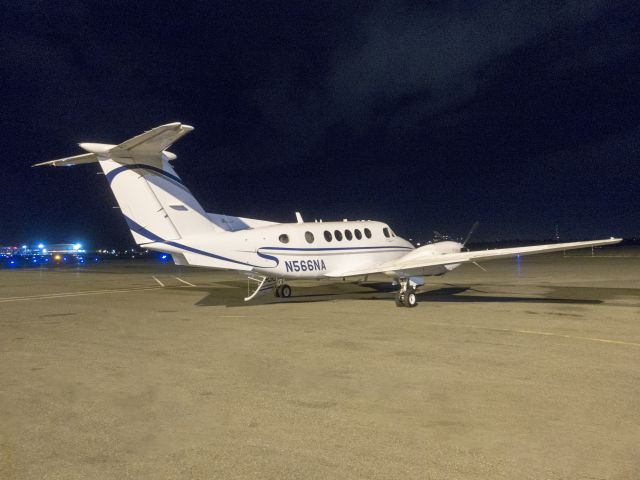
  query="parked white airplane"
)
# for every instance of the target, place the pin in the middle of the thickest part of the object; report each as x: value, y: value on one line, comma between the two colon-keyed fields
x: 163, y: 215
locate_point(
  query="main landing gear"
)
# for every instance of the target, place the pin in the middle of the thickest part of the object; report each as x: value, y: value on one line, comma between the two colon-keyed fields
x: 406, y: 296
x: 282, y: 291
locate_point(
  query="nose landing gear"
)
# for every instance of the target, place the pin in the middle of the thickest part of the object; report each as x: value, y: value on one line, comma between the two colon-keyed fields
x: 406, y: 296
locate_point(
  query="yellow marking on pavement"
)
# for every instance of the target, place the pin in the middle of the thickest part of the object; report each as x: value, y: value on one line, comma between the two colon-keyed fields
x: 77, y: 294
x: 537, y: 332
x: 73, y: 294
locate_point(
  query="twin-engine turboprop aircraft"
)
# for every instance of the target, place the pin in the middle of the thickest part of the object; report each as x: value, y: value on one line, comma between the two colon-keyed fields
x: 163, y: 215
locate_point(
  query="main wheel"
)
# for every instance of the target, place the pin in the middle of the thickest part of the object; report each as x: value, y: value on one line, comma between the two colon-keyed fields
x: 399, y: 299
x: 410, y: 299
x: 276, y: 291
x: 285, y: 291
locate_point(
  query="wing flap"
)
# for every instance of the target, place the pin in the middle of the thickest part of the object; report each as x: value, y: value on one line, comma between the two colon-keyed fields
x: 410, y: 265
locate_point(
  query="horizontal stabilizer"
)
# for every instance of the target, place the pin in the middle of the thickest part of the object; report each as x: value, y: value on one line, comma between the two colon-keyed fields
x: 70, y: 161
x: 152, y: 143
x: 156, y: 140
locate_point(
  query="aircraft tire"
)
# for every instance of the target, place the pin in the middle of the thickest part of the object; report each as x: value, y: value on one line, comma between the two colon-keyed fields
x: 410, y: 299
x: 399, y: 302
x: 276, y: 291
x: 285, y: 291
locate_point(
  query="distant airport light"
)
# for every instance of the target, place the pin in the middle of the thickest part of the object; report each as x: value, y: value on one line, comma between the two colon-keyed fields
x: 57, y: 257
x: 40, y: 246
x: 44, y: 250
x: 77, y: 246
x: 24, y: 247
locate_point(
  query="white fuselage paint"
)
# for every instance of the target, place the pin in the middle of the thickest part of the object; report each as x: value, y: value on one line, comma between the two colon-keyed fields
x: 264, y: 249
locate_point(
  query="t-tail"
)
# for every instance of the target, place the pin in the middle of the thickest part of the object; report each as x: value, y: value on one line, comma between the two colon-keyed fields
x: 154, y: 201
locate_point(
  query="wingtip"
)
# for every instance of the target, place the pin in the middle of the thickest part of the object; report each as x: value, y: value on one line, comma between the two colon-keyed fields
x: 41, y: 164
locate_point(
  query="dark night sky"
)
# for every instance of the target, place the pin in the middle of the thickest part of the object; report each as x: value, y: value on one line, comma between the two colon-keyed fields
x: 427, y: 115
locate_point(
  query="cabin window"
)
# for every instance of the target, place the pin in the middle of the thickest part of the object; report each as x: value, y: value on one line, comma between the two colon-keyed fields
x: 367, y: 233
x: 348, y: 234
x: 327, y: 236
x: 338, y: 235
x: 358, y: 234
x: 284, y: 238
x: 385, y: 230
x: 308, y: 236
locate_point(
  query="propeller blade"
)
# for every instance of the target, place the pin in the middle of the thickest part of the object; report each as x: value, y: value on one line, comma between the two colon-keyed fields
x: 473, y: 229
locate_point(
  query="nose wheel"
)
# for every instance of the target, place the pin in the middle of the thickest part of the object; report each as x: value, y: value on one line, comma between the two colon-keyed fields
x: 406, y: 296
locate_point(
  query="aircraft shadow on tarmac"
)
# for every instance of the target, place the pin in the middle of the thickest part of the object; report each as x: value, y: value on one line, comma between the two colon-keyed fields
x: 232, y: 297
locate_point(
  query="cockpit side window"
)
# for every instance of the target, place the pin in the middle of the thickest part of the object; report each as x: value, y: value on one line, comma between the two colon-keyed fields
x: 385, y: 230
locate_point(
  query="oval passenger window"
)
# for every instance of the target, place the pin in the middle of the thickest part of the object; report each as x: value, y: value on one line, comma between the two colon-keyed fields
x: 367, y: 233
x: 348, y: 234
x: 337, y: 234
x: 308, y: 237
x: 284, y: 238
x: 327, y: 236
x: 358, y: 234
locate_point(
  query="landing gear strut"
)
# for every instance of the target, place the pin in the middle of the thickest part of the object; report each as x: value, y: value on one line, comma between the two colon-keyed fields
x: 406, y: 296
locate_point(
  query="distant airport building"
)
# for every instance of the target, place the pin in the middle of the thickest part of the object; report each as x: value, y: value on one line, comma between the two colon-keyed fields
x: 42, y: 249
x: 6, y: 251
x: 64, y: 248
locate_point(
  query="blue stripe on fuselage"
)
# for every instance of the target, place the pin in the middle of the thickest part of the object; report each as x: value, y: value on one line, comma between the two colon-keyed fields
x: 139, y: 229
x: 334, y: 248
x: 111, y: 175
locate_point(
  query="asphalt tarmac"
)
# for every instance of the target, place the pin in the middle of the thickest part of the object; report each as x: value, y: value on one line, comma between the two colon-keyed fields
x: 142, y: 370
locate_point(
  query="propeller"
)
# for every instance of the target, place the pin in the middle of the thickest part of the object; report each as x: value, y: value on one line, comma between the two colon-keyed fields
x: 471, y: 231
x: 466, y: 240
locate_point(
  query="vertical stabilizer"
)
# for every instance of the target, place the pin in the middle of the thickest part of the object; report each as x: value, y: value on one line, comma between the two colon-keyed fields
x: 152, y: 197
x: 155, y: 202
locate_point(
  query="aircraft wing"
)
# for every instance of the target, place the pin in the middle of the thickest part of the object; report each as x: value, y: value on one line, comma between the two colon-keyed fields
x: 413, y: 263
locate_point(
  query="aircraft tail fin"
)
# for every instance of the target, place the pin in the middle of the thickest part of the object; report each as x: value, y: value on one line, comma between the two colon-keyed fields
x: 151, y: 196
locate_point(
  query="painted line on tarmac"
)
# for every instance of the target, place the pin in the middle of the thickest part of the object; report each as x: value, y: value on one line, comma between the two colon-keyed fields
x: 185, y: 282
x: 536, y: 332
x: 159, y: 282
x: 49, y: 296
